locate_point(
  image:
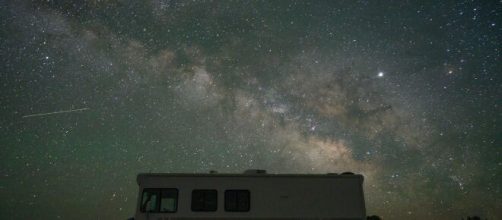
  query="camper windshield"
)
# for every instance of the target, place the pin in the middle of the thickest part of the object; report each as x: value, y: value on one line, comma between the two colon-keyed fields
x: 149, y: 200
x: 159, y: 200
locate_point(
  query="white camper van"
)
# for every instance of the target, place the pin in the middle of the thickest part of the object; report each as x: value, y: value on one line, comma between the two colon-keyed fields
x: 252, y: 195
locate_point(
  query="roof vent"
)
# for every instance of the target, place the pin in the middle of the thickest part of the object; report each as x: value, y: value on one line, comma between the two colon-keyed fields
x: 255, y: 172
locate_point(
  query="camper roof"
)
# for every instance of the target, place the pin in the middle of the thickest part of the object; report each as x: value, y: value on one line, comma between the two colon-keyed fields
x: 248, y: 173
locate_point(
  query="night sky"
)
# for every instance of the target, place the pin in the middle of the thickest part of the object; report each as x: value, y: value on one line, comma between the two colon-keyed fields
x: 407, y: 93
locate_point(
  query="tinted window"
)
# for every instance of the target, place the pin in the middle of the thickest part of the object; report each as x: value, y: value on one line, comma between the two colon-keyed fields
x: 204, y: 200
x: 237, y: 200
x: 169, y: 200
x: 149, y: 200
x: 159, y: 200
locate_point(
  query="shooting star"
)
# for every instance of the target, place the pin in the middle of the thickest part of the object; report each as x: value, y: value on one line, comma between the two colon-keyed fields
x: 58, y: 112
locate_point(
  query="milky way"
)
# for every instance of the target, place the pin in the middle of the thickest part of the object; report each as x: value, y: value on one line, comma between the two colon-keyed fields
x: 405, y: 93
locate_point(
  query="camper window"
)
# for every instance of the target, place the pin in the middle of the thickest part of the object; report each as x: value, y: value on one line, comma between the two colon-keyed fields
x: 237, y: 200
x: 159, y: 200
x: 149, y: 200
x: 204, y: 200
x: 169, y: 200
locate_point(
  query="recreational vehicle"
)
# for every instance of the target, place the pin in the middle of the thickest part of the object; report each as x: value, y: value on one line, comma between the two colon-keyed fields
x: 251, y: 195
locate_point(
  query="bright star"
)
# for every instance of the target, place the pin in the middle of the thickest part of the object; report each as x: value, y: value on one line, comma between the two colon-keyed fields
x: 380, y: 74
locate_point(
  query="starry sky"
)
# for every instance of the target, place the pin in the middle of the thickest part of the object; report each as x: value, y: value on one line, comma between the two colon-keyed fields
x: 407, y: 93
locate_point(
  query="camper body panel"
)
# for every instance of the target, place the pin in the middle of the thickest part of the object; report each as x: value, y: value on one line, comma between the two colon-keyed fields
x: 272, y: 196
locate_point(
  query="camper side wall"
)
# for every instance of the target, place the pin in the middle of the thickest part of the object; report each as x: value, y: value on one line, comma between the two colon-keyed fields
x: 269, y: 197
